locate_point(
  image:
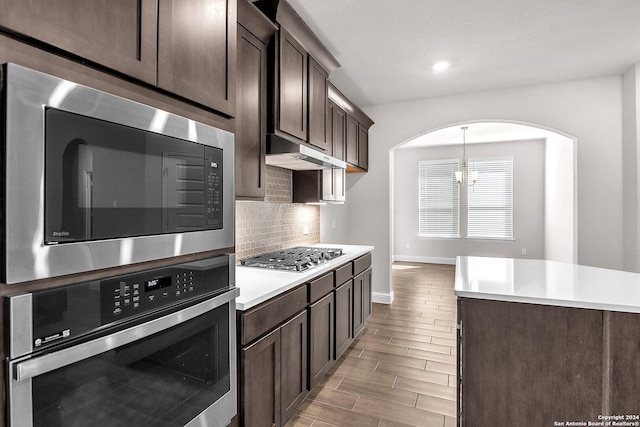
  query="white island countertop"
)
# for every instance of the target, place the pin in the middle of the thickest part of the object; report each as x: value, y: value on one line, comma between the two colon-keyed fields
x: 548, y: 283
x: 257, y: 285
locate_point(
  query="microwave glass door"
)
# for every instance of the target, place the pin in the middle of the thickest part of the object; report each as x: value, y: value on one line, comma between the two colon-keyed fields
x: 104, y: 181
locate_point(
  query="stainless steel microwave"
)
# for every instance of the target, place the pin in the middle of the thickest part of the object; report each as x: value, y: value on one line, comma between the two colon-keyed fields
x: 93, y: 180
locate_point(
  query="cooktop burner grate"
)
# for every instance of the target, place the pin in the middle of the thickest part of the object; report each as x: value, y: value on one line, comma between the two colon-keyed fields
x: 300, y: 258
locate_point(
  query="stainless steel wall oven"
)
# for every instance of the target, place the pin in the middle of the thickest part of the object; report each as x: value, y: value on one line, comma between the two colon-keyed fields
x: 96, y: 181
x: 155, y: 348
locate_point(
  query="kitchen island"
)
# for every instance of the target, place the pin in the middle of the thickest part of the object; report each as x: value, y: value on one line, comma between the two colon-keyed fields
x: 544, y: 343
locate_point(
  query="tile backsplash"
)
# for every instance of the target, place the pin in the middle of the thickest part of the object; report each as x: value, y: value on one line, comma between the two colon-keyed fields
x: 276, y: 223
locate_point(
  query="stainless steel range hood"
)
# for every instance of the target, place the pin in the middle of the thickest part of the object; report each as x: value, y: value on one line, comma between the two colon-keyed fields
x: 290, y: 155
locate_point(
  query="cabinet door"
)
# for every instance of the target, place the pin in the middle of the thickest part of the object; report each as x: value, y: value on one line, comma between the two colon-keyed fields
x: 339, y: 187
x: 624, y: 369
x: 337, y: 119
x: 293, y: 367
x: 344, y: 316
x: 251, y: 116
x: 363, y: 147
x: 318, y: 108
x: 366, y: 294
x: 328, y: 185
x: 352, y: 140
x: 539, y: 362
x: 197, y: 51
x: 260, y: 382
x: 358, y: 295
x: 293, y: 87
x: 118, y: 34
x: 321, y: 338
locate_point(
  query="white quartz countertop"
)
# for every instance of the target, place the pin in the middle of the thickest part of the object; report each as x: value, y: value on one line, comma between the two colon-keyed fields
x: 257, y: 285
x: 548, y: 283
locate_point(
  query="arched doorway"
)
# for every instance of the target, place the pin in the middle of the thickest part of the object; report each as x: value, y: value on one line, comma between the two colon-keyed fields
x: 545, y: 191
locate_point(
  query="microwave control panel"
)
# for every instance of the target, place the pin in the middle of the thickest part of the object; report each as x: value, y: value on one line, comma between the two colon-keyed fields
x: 213, y: 214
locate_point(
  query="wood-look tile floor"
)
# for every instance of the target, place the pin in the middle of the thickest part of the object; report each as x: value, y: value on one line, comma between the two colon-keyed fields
x: 401, y: 370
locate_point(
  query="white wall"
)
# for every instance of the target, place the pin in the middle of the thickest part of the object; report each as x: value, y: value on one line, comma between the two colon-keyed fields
x: 559, y: 215
x: 631, y: 159
x: 528, y: 212
x: 333, y: 224
x: 590, y: 110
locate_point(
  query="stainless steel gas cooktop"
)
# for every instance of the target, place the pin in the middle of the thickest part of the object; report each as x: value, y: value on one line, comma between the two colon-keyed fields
x: 300, y: 258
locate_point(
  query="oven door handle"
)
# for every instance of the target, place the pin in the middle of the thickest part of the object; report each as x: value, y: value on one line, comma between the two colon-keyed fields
x: 50, y: 362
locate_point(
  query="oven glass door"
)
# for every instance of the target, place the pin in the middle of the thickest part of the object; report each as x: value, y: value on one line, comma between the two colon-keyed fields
x: 165, y: 379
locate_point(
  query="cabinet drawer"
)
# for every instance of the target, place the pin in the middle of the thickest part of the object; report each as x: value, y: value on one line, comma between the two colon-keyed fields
x: 344, y: 273
x: 258, y: 320
x: 361, y: 264
x: 320, y: 287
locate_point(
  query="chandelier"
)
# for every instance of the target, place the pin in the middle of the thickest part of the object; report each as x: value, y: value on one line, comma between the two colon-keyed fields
x: 461, y: 175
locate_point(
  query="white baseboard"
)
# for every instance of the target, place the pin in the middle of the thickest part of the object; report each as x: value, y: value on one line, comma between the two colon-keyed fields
x: 382, y: 298
x: 424, y: 259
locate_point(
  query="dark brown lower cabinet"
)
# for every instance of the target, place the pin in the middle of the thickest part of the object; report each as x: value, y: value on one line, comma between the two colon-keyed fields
x: 288, y: 343
x: 321, y: 338
x: 366, y: 294
x: 358, y: 312
x: 260, y: 382
x: 293, y: 366
x: 274, y: 374
x: 361, y: 292
x: 624, y: 366
x: 344, y: 316
x: 531, y: 364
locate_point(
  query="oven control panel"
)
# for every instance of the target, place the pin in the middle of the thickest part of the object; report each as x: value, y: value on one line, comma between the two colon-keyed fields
x: 67, y: 312
x: 134, y: 294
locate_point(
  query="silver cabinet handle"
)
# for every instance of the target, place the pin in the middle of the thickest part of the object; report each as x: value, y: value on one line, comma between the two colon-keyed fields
x: 58, y: 359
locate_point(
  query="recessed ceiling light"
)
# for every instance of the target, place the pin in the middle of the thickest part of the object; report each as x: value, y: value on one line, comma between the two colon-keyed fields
x: 440, y: 66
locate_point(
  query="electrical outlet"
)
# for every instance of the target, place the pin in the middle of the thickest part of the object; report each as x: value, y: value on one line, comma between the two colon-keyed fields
x: 408, y: 245
x: 333, y: 224
x: 524, y: 251
x: 305, y: 229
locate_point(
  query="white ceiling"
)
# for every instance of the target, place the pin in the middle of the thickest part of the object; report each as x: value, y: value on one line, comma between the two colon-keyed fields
x: 386, y: 47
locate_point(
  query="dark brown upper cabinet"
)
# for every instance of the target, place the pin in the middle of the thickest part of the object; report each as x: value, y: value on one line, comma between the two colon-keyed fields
x: 336, y: 130
x: 299, y: 68
x: 318, y: 107
x: 118, y: 34
x: 185, y: 47
x: 292, y: 104
x: 254, y: 33
x: 197, y: 51
x: 325, y: 185
x: 352, y: 140
x: 357, y: 125
x: 363, y: 147
x: 318, y: 186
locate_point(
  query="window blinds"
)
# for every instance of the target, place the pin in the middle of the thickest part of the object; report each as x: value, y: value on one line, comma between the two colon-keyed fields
x: 439, y: 199
x: 490, y: 214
